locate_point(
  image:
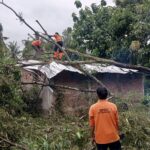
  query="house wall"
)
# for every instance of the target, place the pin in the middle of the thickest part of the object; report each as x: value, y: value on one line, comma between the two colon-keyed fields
x: 48, y: 99
x: 46, y: 94
x: 74, y: 102
x: 26, y: 76
x: 125, y: 86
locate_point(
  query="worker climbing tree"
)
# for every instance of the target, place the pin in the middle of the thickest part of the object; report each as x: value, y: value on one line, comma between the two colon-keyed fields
x: 36, y: 44
x: 58, y: 53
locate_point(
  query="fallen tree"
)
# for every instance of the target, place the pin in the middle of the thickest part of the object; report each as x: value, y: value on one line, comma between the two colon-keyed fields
x: 95, y: 60
x: 76, y: 64
x: 7, y: 141
x: 52, y: 41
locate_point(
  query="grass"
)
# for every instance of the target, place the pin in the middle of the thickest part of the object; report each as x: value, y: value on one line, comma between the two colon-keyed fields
x: 59, y: 132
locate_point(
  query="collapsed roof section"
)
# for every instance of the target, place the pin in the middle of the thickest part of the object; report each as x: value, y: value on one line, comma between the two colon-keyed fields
x: 54, y: 68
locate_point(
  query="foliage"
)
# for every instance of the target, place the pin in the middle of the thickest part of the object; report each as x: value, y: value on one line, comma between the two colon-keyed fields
x: 73, y: 133
x: 136, y: 132
x: 30, y: 53
x: 67, y: 38
x: 146, y: 100
x: 10, y: 95
x: 108, y: 30
x: 32, y: 101
x: 74, y: 16
x: 103, y: 3
x: 94, y: 7
x: 58, y: 131
x: 125, y: 3
x: 78, y: 4
x: 1, y: 30
x: 14, y: 49
x: 44, y: 134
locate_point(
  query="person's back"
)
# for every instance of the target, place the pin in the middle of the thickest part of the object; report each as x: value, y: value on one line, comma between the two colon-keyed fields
x: 58, y: 53
x: 57, y: 37
x: 103, y: 117
x: 36, y: 43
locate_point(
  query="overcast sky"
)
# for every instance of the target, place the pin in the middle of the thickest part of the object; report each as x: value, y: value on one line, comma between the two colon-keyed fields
x: 54, y: 15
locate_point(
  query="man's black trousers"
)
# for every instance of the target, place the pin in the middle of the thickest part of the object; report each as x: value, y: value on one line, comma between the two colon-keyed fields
x: 57, y: 48
x: 111, y: 146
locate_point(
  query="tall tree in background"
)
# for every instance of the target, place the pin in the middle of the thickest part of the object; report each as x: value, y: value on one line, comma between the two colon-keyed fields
x: 28, y: 52
x: 10, y: 93
x: 1, y: 30
x: 3, y: 48
x: 78, y: 4
x: 91, y: 29
x: 120, y: 33
x: 103, y: 3
x: 14, y: 49
x: 1, y: 36
x: 67, y: 38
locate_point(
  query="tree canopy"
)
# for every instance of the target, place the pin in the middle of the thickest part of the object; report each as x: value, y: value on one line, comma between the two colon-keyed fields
x: 121, y: 32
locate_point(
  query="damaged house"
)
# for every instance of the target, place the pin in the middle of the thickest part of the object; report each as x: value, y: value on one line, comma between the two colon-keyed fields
x: 74, y: 90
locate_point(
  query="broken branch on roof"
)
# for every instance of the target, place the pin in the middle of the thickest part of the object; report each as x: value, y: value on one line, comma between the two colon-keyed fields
x: 97, y: 60
x: 51, y: 40
x: 58, y: 86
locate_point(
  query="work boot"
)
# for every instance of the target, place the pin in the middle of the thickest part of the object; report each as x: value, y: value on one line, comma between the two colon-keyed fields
x: 61, y: 54
x: 56, y: 55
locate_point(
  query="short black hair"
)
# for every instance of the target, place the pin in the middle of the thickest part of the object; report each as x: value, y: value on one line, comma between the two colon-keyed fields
x: 102, y: 92
x: 56, y: 33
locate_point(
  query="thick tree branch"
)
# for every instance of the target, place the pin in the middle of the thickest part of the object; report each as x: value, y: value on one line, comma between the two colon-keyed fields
x: 36, y: 32
x: 37, y: 83
x: 72, y: 88
x: 13, y: 144
x: 97, y: 60
x: 42, y: 27
x: 19, y: 16
x: 105, y: 61
x: 78, y: 53
x: 31, y: 36
x: 52, y: 41
x: 94, y: 78
x: 110, y: 62
x: 58, y: 86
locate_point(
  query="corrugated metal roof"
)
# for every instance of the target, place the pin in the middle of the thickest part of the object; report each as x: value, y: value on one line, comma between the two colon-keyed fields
x: 51, y: 69
x: 54, y: 68
x: 103, y: 68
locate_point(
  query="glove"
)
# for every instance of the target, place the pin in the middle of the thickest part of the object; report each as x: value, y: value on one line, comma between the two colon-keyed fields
x: 122, y: 136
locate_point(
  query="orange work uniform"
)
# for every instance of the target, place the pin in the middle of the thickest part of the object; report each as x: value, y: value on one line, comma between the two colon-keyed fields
x: 37, y: 43
x: 58, y: 54
x: 103, y: 116
x: 57, y: 37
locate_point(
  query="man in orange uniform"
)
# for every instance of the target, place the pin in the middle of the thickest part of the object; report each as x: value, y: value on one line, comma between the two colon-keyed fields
x: 103, y: 118
x: 58, y: 53
x: 36, y: 44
